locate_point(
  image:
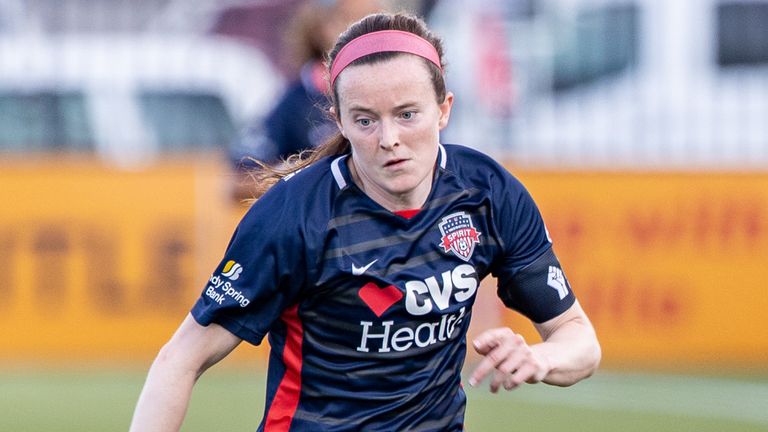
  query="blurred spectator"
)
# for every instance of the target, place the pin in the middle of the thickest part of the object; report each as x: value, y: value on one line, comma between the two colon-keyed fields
x: 259, y: 23
x: 299, y: 120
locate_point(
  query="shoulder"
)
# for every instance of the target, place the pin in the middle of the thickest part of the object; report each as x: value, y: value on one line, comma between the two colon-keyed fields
x: 479, y: 170
x: 305, y: 196
x: 461, y: 159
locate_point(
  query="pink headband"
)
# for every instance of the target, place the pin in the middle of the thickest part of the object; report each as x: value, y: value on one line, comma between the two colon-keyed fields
x: 383, y: 41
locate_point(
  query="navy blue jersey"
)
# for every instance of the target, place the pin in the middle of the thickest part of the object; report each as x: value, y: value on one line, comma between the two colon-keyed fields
x: 366, y: 310
x: 299, y: 121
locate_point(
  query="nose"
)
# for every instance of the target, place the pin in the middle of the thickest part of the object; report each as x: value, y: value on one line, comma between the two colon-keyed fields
x: 389, y: 136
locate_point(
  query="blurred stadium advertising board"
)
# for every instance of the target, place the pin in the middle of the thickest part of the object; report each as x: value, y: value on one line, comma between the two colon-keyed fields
x: 101, y: 264
x: 670, y: 267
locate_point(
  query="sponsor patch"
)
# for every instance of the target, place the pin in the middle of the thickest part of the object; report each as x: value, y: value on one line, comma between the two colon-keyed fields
x: 232, y: 270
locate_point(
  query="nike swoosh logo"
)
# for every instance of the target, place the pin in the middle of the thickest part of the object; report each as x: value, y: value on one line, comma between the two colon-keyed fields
x: 357, y: 271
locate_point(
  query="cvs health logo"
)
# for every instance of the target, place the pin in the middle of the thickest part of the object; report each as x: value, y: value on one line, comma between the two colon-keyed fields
x: 421, y: 297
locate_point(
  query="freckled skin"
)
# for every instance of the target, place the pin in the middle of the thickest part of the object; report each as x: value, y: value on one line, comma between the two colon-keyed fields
x: 390, y: 114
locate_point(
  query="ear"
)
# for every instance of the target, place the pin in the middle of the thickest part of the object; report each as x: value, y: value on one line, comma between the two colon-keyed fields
x: 337, y: 118
x: 445, y: 110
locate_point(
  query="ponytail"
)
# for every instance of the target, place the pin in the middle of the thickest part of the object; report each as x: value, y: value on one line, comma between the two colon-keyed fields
x: 265, y: 176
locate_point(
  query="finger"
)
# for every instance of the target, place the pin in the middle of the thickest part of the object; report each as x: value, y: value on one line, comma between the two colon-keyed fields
x: 514, y: 362
x: 491, y: 361
x: 519, y: 366
x: 520, y: 376
x: 499, y: 379
x: 505, y: 344
x: 489, y: 339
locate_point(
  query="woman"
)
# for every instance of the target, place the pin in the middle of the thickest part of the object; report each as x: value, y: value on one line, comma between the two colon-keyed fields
x: 363, y: 261
x: 299, y: 120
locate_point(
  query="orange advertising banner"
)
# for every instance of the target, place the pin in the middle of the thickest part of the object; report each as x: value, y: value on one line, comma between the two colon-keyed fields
x: 671, y: 268
x: 102, y: 265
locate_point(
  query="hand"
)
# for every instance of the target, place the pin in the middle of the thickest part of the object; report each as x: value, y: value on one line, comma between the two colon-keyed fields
x: 509, y: 358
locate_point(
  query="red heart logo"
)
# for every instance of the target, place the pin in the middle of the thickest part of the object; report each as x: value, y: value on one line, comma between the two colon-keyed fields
x: 379, y: 299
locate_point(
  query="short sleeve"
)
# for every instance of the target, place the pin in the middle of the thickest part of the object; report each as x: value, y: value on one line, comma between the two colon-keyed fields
x: 262, y: 272
x: 530, y: 277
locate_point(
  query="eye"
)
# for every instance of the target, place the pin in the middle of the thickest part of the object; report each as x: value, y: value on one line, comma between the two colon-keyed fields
x: 407, y: 115
x: 364, y: 122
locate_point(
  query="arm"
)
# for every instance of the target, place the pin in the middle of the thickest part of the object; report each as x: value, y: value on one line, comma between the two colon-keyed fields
x: 192, y: 349
x: 568, y: 353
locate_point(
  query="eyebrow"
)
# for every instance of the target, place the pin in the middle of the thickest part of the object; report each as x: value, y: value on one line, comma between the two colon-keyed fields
x: 358, y: 108
x: 406, y: 105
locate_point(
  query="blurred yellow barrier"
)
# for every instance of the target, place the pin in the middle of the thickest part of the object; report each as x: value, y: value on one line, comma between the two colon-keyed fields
x: 102, y: 265
x: 670, y: 267
x: 99, y: 264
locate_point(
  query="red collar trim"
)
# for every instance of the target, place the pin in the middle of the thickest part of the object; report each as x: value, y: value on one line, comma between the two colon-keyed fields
x: 408, y: 214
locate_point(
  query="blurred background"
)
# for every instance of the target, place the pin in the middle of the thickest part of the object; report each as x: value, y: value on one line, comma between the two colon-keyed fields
x: 639, y: 126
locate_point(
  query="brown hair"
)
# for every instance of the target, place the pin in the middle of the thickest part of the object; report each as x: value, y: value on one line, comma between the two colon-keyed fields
x: 304, y: 39
x: 315, y: 25
x: 266, y: 176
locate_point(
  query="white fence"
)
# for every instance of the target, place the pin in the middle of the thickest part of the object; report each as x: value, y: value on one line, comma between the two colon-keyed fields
x: 614, y: 84
x: 631, y: 84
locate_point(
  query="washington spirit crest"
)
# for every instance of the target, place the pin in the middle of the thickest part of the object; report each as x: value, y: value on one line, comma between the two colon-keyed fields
x: 459, y: 235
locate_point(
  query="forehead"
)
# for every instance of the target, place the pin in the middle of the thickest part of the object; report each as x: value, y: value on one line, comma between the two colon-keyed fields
x: 404, y: 76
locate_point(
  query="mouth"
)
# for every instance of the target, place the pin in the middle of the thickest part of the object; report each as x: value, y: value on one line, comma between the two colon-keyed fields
x: 395, y: 163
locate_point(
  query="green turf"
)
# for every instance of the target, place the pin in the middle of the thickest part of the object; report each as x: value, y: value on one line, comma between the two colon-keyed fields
x: 229, y: 400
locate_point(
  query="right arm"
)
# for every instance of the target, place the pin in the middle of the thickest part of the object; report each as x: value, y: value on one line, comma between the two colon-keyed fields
x: 191, y: 351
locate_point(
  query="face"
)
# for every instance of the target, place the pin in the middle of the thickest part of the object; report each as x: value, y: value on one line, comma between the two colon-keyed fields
x: 389, y: 113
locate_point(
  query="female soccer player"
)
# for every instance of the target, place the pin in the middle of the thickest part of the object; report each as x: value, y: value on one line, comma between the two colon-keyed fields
x: 362, y: 263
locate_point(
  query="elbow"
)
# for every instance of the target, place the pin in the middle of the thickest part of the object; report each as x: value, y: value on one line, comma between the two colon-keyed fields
x: 588, y: 362
x: 593, y: 354
x: 174, y: 357
x: 169, y: 354
x: 167, y: 358
x: 594, y: 358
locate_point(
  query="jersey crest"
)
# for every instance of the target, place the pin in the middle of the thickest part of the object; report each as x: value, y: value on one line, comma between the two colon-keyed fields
x: 459, y: 235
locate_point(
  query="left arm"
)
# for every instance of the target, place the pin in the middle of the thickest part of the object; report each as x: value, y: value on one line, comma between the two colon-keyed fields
x: 568, y: 353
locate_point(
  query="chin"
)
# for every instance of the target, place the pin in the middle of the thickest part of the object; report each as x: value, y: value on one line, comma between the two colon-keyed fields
x: 402, y: 186
x: 398, y: 190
